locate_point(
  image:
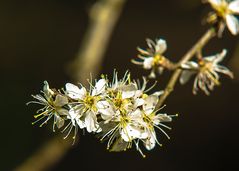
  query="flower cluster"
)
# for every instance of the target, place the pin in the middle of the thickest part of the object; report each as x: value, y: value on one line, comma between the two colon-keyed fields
x: 120, y: 111
x: 207, y: 70
x: 224, y: 15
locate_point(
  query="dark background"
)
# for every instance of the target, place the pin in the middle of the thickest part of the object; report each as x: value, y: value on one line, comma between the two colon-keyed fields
x: 39, y: 38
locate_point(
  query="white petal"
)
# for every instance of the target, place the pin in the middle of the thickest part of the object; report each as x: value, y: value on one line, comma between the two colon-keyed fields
x: 190, y: 65
x: 161, y: 46
x: 220, y: 56
x: 136, y: 116
x: 99, y: 87
x: 234, y: 6
x: 215, y: 3
x: 138, y: 93
x: 216, y: 58
x: 60, y: 100
x: 134, y: 132
x: 224, y: 70
x: 143, y: 52
x: 152, y: 74
x: 62, y: 112
x: 72, y: 114
x: 75, y: 92
x: 80, y: 123
x: 76, y: 114
x: 143, y: 135
x: 232, y: 24
x: 150, y: 143
x: 91, y: 122
x: 105, y: 109
x: 150, y: 43
x: 164, y: 118
x: 148, y: 63
x: 158, y: 93
x: 59, y: 121
x: 129, y: 133
x: 185, y: 76
x: 128, y: 91
x: 150, y: 103
x: 138, y: 102
x: 82, y: 93
x: 210, y: 58
x: 47, y: 89
x: 125, y: 136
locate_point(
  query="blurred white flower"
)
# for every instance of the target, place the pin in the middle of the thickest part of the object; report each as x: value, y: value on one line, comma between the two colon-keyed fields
x: 207, y: 70
x: 226, y: 10
x: 52, y: 103
x: 152, y: 58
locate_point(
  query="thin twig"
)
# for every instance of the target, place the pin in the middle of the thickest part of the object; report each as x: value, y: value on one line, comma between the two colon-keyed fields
x: 234, y: 62
x: 104, y: 16
x: 189, y: 55
x: 48, y: 155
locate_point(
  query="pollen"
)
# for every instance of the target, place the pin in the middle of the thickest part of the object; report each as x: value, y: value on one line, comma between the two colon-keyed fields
x: 90, y: 102
x: 158, y: 60
x: 222, y: 10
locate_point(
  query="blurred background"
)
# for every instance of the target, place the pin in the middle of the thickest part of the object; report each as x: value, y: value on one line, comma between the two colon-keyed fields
x: 38, y: 41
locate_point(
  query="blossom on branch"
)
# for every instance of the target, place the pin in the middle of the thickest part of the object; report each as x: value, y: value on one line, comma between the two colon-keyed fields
x: 86, y: 102
x: 206, y: 71
x: 152, y: 58
x: 225, y: 11
x: 53, y: 104
x: 121, y: 112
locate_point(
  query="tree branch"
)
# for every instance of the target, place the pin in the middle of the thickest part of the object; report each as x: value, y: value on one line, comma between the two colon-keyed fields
x: 189, y: 55
x: 103, y: 17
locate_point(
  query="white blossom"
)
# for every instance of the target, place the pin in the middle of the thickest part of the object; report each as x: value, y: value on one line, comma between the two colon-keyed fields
x: 152, y: 58
x: 152, y: 120
x: 226, y: 10
x: 87, y: 102
x: 206, y: 71
x: 120, y: 111
x: 130, y: 116
x: 53, y: 106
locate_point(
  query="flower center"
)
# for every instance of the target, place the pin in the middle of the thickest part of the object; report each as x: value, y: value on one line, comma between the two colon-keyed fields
x: 120, y: 103
x: 206, y: 68
x: 158, y: 60
x: 90, y: 102
x: 223, y: 10
x: 204, y: 65
x: 124, y: 120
